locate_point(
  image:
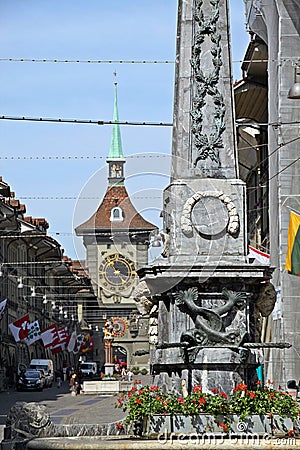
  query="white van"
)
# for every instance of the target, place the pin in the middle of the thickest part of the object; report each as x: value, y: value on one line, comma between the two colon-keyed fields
x: 88, y: 369
x: 47, y: 366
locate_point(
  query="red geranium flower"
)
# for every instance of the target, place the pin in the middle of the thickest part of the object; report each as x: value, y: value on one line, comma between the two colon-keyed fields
x: 215, y: 390
x: 241, y: 387
x: 252, y: 394
x: 197, y: 388
x: 202, y: 400
x: 153, y: 388
x: 224, y: 426
x: 222, y: 394
x: 139, y: 401
x: 119, y: 425
x: 291, y: 432
x: 181, y: 400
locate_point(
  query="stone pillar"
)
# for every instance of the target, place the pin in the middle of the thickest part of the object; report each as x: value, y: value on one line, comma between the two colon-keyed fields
x: 210, y: 299
x: 109, y: 365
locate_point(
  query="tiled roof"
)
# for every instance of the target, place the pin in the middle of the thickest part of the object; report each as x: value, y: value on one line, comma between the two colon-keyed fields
x: 39, y: 222
x: 115, y: 196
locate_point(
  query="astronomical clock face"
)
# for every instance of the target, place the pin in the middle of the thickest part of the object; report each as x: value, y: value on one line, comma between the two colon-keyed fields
x: 117, y: 273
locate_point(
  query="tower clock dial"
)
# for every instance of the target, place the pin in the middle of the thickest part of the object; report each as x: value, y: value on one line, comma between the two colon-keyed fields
x: 117, y: 273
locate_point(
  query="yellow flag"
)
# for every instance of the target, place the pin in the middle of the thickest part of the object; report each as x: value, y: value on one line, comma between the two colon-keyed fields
x: 292, y: 263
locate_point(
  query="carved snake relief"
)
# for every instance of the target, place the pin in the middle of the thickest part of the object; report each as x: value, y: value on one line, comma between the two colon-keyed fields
x: 209, y: 326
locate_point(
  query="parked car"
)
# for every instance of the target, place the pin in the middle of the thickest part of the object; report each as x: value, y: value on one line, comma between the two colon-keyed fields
x: 31, y: 380
x: 47, y: 366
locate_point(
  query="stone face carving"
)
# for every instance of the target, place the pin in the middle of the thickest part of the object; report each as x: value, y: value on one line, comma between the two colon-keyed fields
x: 208, y: 146
x: 233, y: 225
x: 266, y: 300
x: 209, y: 323
x: 32, y: 420
x: 27, y: 419
x: 264, y: 305
x: 146, y: 306
x: 143, y: 298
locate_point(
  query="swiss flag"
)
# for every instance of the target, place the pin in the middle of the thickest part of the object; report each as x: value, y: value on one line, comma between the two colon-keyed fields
x: 19, y: 328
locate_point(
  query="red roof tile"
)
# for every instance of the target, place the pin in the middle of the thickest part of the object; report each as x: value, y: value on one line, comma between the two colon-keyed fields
x: 100, y: 220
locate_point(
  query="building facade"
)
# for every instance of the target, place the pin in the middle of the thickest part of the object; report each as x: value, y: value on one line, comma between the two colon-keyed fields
x: 35, y: 279
x: 268, y: 118
x: 116, y: 238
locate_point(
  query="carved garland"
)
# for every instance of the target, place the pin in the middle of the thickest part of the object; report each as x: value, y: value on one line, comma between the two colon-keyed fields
x: 186, y: 220
x: 207, y: 146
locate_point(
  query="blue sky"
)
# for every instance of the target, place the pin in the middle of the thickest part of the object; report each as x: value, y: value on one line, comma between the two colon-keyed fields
x: 89, y: 30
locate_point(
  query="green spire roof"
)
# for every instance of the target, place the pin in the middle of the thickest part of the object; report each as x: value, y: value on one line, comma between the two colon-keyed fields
x: 115, y: 151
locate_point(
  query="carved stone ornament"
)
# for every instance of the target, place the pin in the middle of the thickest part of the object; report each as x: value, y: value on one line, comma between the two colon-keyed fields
x: 233, y: 225
x: 146, y: 306
x: 143, y: 298
x: 209, y: 323
x: 27, y: 419
x: 206, y: 84
x: 266, y: 300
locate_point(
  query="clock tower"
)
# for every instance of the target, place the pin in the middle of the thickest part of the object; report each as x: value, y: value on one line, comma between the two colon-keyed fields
x: 116, y: 238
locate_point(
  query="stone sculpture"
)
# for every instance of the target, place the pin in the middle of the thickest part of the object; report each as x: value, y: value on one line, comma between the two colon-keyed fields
x: 209, y: 323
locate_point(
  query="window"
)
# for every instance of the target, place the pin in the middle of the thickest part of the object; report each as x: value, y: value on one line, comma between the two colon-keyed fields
x: 116, y: 214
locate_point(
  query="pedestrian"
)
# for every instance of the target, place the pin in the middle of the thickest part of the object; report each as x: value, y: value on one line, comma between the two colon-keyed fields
x: 78, y: 383
x: 58, y: 381
x: 123, y: 373
x: 130, y: 375
x: 73, y: 383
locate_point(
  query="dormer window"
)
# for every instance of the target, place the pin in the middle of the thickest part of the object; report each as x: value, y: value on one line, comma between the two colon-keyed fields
x: 116, y: 214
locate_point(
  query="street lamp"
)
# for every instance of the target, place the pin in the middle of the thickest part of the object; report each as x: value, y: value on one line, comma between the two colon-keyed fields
x: 294, y: 91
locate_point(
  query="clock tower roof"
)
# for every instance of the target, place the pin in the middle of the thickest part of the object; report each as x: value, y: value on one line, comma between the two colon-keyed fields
x: 115, y: 151
x: 127, y: 218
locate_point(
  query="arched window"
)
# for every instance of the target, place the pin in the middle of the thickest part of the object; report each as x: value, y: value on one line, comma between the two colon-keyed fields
x: 116, y: 214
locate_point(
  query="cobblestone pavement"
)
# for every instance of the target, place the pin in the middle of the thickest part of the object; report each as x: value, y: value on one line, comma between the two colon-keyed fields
x: 87, y: 408
x: 66, y: 409
x: 84, y: 409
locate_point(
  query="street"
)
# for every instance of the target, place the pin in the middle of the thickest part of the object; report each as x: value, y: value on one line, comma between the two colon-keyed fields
x: 10, y: 397
x: 63, y: 407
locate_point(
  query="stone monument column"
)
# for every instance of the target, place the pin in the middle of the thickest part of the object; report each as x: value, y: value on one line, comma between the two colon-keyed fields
x: 108, y: 347
x: 210, y: 300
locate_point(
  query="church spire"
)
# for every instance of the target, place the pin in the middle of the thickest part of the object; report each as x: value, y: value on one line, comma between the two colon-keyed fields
x: 115, y: 158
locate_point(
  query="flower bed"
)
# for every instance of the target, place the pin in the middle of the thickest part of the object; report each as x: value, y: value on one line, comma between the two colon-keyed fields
x: 262, y: 410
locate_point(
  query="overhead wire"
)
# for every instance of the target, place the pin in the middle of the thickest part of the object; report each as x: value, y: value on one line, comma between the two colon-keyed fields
x: 85, y: 121
x: 131, y: 61
x: 112, y: 122
x: 76, y: 157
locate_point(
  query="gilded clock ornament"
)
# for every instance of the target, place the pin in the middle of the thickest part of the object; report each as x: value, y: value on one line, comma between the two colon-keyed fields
x: 117, y: 273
